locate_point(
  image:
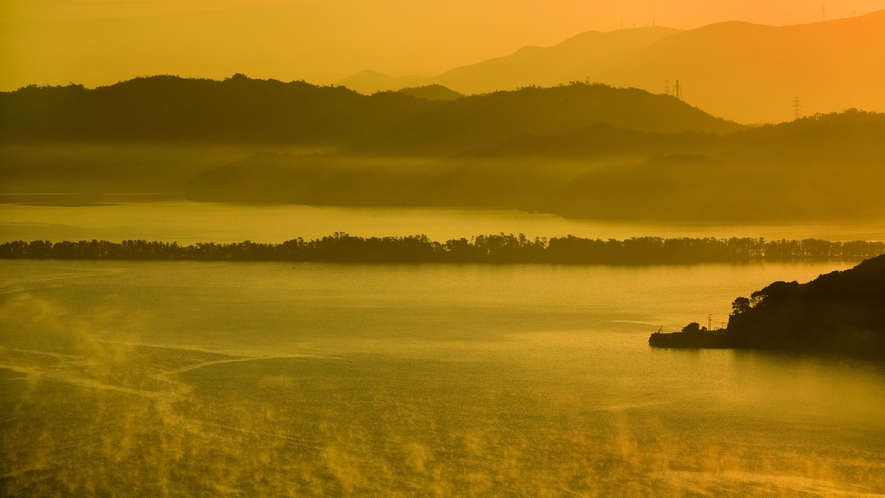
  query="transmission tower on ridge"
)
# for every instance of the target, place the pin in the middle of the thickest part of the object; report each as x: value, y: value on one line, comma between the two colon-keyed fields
x: 666, y: 87
x: 678, y: 91
x: 797, y: 108
x: 823, y: 11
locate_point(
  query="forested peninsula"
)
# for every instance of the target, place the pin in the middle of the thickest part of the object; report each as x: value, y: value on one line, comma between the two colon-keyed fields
x: 500, y: 249
x: 840, y: 313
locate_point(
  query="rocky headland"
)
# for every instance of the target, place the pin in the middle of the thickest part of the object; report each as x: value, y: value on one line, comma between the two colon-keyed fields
x: 840, y: 313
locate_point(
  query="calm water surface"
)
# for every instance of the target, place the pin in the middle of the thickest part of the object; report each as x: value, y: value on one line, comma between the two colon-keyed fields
x: 194, y: 379
x: 190, y: 222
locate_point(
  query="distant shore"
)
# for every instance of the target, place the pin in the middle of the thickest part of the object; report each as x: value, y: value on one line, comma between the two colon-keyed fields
x: 495, y: 249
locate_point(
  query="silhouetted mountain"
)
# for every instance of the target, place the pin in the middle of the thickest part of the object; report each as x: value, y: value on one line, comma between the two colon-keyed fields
x: 368, y: 82
x: 179, y: 110
x: 835, y: 139
x: 551, y: 66
x: 740, y: 71
x: 241, y: 110
x: 431, y: 92
x: 528, y: 66
x: 837, y: 313
x: 485, y: 120
x: 752, y: 73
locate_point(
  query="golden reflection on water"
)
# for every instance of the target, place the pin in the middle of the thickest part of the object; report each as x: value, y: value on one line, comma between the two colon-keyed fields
x: 92, y: 404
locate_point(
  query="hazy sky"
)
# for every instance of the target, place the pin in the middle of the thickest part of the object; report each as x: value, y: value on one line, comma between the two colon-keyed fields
x: 97, y: 42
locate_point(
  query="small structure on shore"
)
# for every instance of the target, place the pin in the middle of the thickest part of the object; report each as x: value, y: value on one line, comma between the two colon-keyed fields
x: 691, y: 336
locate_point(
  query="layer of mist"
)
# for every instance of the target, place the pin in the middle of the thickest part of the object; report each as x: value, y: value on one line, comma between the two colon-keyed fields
x: 582, y: 151
x: 826, y: 167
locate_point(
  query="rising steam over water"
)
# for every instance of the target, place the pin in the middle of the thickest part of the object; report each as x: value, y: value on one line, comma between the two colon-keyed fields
x: 199, y: 379
x: 185, y: 377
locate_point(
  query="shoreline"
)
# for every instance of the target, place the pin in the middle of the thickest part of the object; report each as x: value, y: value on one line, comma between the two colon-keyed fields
x: 488, y: 249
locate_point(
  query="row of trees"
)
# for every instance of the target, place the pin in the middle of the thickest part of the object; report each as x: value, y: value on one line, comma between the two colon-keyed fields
x: 502, y: 248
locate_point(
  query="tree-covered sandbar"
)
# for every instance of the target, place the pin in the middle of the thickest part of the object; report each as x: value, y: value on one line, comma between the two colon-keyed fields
x: 499, y: 249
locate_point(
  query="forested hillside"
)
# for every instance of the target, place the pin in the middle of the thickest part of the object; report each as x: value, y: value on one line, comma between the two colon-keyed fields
x: 168, y: 109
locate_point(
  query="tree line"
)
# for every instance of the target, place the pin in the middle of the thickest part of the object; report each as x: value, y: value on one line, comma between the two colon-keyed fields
x: 502, y: 248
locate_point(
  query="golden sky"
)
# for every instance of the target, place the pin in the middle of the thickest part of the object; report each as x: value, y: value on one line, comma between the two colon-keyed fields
x: 98, y: 42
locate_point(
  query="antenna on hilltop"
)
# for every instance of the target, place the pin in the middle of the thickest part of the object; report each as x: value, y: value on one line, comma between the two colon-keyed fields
x: 823, y: 11
x: 797, y: 108
x: 678, y: 91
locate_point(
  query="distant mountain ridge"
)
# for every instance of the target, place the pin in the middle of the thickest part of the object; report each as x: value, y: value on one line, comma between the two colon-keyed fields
x: 753, y: 74
x: 740, y: 71
x: 527, y: 66
x: 369, y: 81
x: 168, y: 109
x: 431, y: 92
x: 558, y: 64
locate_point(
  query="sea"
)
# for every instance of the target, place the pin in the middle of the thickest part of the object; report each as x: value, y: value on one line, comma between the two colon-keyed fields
x: 278, y: 379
